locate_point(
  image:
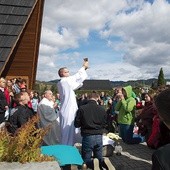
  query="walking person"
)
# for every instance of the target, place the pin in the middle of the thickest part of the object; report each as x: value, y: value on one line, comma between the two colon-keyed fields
x: 68, y: 108
x: 92, y: 119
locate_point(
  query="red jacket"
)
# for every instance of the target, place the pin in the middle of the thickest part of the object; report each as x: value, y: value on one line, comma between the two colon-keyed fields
x: 7, y: 96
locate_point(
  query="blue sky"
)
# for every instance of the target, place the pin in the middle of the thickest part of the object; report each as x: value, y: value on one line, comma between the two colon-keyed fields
x: 123, y: 39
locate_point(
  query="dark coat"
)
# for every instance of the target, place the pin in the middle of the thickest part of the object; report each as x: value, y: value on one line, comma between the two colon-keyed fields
x: 147, y: 114
x: 91, y: 118
x: 160, y: 158
x: 19, y: 116
x: 3, y: 102
x: 146, y: 117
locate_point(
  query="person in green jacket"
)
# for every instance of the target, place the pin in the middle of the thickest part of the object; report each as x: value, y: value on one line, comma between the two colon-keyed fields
x: 126, y: 107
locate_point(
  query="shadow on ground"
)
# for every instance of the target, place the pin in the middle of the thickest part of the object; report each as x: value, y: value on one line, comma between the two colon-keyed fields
x: 135, y: 157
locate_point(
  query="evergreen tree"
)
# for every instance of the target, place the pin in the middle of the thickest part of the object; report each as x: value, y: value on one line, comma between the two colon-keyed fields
x: 161, y: 79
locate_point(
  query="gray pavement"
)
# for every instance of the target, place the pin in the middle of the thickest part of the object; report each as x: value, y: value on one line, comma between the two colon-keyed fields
x: 134, y: 157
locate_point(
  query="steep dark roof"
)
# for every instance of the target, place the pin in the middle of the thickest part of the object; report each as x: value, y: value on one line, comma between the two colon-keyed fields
x: 20, y: 27
x: 13, y: 16
x: 96, y: 85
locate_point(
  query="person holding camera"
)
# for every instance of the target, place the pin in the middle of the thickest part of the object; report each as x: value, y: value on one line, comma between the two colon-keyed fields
x: 126, y: 118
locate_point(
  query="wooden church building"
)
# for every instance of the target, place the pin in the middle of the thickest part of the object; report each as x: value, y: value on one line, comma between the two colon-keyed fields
x: 20, y: 29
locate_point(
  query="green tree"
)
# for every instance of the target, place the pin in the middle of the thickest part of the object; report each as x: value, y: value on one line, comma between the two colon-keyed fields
x: 54, y: 88
x: 36, y: 87
x: 161, y: 79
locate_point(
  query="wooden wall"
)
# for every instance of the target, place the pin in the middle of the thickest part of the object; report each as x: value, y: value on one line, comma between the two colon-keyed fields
x: 24, y: 57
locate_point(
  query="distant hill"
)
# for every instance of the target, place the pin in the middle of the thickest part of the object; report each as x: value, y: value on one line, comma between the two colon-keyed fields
x: 133, y: 83
x: 53, y: 81
x: 41, y: 86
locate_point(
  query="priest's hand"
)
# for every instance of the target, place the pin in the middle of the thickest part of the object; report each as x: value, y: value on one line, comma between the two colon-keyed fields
x: 86, y: 63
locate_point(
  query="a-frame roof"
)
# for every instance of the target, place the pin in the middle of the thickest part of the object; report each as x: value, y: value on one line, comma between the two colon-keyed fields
x: 97, y: 85
x: 20, y: 28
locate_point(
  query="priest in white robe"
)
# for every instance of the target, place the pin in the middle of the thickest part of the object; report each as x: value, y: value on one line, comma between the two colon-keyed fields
x: 68, y: 108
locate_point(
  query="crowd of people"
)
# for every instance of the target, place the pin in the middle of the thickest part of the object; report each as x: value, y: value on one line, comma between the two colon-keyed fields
x: 136, y: 118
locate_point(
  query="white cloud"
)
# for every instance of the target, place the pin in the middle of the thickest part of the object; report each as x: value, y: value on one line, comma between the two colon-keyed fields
x: 145, y: 34
x: 117, y: 72
x: 143, y: 30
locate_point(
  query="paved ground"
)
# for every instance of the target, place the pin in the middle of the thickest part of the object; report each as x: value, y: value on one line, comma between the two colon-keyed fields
x: 134, y: 157
x: 29, y: 166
